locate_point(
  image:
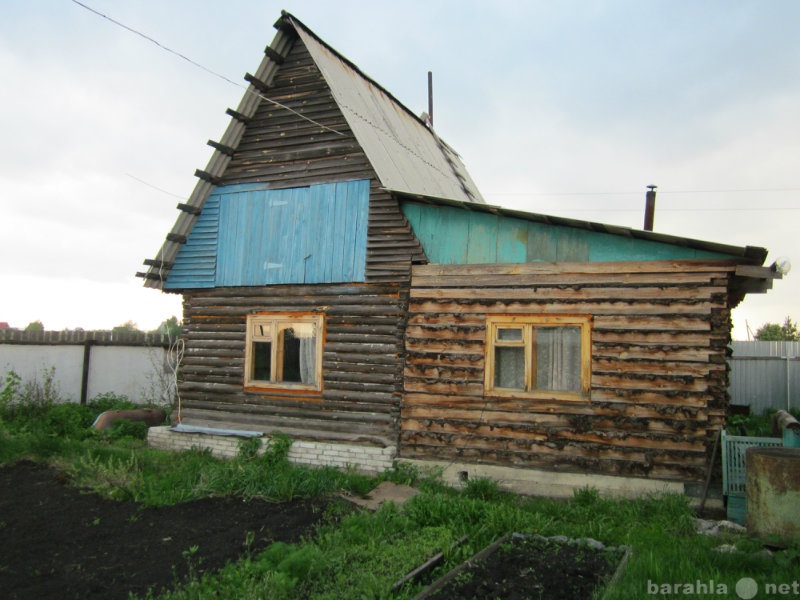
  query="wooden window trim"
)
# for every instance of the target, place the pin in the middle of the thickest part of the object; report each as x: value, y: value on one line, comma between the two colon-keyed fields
x: 276, y: 322
x: 528, y: 323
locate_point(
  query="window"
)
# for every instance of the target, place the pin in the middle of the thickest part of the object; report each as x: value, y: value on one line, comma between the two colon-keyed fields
x: 538, y: 356
x: 284, y: 351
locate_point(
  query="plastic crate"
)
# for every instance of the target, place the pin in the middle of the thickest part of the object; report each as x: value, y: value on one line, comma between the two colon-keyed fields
x: 733, y: 460
x: 734, y: 475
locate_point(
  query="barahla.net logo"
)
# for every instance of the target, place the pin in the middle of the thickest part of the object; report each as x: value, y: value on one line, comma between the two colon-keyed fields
x: 746, y: 588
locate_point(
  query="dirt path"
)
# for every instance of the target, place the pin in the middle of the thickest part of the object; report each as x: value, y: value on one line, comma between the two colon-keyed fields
x: 59, y: 542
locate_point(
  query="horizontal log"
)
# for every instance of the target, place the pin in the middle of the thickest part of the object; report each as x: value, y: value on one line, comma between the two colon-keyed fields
x: 444, y: 372
x: 539, y: 292
x: 649, y: 323
x: 628, y: 268
x: 461, y: 388
x: 655, y: 368
x: 443, y: 346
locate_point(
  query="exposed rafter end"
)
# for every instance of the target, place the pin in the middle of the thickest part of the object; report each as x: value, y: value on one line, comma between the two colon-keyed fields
x: 283, y: 24
x: 188, y: 208
x: 149, y: 276
x: 274, y: 56
x: 227, y: 150
x: 205, y: 176
x: 158, y: 264
x: 176, y: 237
x: 256, y: 83
x: 243, y: 119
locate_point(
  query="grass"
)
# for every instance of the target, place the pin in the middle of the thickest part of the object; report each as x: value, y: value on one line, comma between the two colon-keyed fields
x: 361, y: 554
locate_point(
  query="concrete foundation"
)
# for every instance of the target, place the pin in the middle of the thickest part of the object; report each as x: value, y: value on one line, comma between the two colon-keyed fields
x: 534, y: 482
x: 373, y: 459
x: 361, y: 457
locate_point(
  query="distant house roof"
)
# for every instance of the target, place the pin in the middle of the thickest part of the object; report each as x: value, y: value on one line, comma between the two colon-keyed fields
x: 404, y: 152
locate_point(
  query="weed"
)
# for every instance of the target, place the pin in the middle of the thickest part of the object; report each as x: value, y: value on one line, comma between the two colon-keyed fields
x: 483, y: 488
x: 248, y: 448
x: 10, y: 391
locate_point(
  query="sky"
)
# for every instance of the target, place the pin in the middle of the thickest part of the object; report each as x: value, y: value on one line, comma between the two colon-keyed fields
x: 567, y: 108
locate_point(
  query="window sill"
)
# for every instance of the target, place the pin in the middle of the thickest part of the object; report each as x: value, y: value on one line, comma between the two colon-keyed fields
x: 297, y: 393
x: 539, y: 395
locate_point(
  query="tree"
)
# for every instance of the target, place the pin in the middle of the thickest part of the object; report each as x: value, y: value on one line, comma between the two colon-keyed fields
x: 127, y: 327
x: 35, y: 326
x: 170, y: 327
x: 772, y: 332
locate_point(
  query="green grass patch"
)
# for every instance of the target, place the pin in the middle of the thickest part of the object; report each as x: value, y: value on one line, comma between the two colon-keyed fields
x: 358, y: 554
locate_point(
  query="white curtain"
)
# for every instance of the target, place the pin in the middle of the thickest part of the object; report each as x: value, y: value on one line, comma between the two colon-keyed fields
x: 558, y: 358
x: 308, y: 355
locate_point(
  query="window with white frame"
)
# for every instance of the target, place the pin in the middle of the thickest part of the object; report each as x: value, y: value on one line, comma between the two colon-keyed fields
x: 284, y: 351
x: 538, y: 356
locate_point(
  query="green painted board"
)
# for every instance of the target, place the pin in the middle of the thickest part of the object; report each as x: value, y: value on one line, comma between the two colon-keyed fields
x: 453, y: 235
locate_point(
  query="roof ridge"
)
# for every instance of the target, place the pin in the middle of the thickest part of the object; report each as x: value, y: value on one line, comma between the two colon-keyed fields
x: 443, y: 146
x: 297, y: 22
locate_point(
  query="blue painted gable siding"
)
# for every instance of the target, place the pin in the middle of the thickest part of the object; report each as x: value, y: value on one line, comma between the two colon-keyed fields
x: 452, y: 235
x: 247, y: 235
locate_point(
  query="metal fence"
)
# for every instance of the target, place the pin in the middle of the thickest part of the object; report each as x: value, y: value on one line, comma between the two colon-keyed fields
x: 765, y: 375
x: 84, y: 364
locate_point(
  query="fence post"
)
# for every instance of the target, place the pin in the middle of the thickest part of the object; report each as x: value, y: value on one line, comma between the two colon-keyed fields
x: 87, y: 353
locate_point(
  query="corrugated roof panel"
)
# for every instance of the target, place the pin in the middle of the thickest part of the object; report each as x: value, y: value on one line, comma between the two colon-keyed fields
x: 405, y: 154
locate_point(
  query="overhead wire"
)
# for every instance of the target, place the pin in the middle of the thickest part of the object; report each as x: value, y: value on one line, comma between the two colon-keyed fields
x: 247, y: 89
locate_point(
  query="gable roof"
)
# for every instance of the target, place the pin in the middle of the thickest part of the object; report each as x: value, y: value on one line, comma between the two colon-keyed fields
x: 404, y: 152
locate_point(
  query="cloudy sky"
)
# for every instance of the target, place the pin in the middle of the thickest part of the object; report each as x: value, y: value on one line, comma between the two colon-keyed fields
x: 568, y: 108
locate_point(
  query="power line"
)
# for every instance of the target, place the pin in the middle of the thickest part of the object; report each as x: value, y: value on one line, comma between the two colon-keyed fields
x: 660, y: 210
x: 153, y: 186
x: 660, y: 192
x: 199, y: 66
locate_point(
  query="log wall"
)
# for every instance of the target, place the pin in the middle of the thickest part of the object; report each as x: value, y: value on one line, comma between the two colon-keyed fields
x: 659, y: 375
x: 362, y: 372
x: 284, y: 149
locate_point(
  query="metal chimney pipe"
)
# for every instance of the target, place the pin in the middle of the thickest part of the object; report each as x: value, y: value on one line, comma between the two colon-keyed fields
x: 650, y: 207
x: 430, y: 97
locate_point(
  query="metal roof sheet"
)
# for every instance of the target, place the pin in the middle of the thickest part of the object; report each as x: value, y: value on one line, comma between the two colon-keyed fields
x: 406, y: 154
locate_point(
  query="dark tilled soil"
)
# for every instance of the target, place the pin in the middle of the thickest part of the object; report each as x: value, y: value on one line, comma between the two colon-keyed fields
x: 57, y: 541
x: 531, y: 568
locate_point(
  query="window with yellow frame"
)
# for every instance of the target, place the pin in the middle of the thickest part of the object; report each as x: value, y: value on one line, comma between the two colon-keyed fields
x: 284, y: 351
x: 539, y: 356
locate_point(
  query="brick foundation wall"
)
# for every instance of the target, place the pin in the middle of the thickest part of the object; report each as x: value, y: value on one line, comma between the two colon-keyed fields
x: 367, y: 459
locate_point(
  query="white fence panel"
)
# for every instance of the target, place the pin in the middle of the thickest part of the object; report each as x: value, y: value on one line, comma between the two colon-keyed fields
x: 765, y: 375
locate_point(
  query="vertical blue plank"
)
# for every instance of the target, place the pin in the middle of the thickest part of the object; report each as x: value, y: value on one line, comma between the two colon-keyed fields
x: 297, y: 235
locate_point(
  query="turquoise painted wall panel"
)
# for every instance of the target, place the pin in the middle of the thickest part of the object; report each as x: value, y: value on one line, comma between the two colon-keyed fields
x: 249, y: 235
x: 512, y: 243
x: 542, y: 243
x: 483, y: 238
x: 451, y: 235
x: 196, y: 262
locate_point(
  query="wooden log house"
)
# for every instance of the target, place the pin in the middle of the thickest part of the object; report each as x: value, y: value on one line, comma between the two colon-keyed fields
x: 344, y: 282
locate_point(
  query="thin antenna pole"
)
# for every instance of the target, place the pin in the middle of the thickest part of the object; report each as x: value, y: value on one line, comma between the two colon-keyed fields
x: 430, y: 97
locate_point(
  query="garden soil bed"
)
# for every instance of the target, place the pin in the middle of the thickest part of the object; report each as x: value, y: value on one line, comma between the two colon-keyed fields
x: 520, y: 567
x: 57, y: 541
